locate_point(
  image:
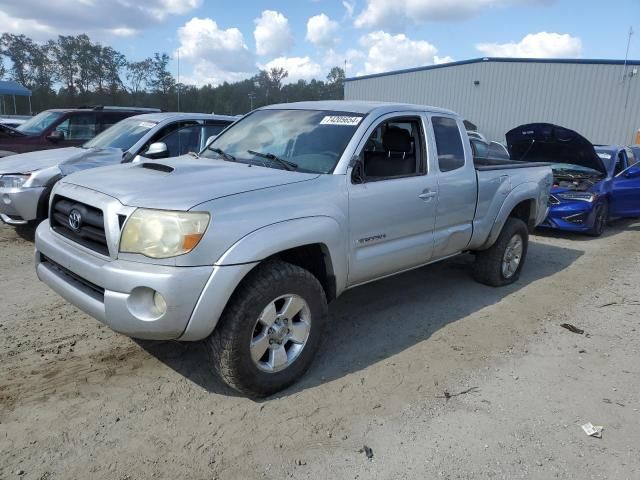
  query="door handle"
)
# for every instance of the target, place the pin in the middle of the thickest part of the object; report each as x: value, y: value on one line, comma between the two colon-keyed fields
x: 427, y: 195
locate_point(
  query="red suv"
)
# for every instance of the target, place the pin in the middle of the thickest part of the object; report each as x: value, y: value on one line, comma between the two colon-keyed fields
x: 58, y: 128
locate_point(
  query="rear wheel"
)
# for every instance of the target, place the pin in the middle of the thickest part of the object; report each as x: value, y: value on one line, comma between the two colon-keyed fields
x: 601, y: 220
x: 270, y: 331
x: 502, y: 262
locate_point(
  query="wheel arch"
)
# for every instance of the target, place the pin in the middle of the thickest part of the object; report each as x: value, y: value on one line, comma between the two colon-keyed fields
x: 313, y: 243
x: 523, y: 203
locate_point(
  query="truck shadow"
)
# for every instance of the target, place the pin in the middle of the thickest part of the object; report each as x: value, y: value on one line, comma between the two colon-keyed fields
x: 381, y: 319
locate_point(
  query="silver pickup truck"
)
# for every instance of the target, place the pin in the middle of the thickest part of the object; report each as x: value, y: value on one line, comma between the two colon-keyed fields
x: 245, y: 244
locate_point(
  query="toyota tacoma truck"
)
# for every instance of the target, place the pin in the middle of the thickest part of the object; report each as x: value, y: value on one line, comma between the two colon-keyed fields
x: 245, y: 244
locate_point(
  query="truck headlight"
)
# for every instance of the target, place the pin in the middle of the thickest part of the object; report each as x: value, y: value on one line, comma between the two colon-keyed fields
x: 13, y: 181
x: 162, y: 233
x: 583, y: 196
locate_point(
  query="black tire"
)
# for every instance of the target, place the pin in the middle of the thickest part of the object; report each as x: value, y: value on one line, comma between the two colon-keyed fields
x: 228, y: 345
x: 488, y: 265
x: 601, y: 220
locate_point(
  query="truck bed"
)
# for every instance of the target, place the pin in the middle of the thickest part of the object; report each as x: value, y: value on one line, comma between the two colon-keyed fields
x: 484, y: 164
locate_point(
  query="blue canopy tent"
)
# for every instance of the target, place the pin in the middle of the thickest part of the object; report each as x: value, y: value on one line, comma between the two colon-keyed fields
x: 13, y: 89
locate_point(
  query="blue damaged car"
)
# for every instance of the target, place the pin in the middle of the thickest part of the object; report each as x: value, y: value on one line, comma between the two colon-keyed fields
x: 592, y: 184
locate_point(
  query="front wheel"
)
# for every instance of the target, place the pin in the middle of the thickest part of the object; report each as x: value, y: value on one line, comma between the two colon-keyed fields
x: 270, y: 330
x: 601, y: 220
x: 501, y: 263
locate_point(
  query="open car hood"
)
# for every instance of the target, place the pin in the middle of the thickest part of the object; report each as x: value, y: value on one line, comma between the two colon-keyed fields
x: 7, y: 131
x: 545, y: 142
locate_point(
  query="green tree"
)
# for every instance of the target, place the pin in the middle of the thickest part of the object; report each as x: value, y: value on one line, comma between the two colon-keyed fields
x: 64, y: 54
x: 161, y: 80
x: 335, y: 84
x: 138, y: 75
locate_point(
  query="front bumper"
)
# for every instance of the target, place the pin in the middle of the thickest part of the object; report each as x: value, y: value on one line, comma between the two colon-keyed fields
x: 19, y: 205
x: 119, y: 293
x: 574, y: 216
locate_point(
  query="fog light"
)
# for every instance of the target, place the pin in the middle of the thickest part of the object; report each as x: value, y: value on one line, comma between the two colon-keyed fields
x: 577, y: 218
x: 160, y: 303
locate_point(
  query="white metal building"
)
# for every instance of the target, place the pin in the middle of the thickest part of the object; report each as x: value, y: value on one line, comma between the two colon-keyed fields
x: 600, y: 99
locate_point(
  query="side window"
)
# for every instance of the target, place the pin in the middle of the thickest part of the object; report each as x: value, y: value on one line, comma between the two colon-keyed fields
x: 211, y: 130
x: 480, y: 149
x: 448, y: 143
x: 183, y: 140
x: 79, y: 126
x: 394, y: 149
x: 620, y: 163
x: 631, y: 158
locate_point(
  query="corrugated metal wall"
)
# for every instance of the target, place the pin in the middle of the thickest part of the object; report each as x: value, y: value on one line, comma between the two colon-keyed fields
x: 593, y: 99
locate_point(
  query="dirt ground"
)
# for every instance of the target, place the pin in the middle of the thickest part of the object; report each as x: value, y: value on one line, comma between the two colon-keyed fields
x: 439, y: 376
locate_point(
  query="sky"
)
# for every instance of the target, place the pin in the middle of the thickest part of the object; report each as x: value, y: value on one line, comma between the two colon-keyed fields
x: 212, y: 41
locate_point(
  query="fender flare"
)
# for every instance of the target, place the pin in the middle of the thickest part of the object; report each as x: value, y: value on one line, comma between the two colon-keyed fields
x: 528, y: 191
x: 277, y: 237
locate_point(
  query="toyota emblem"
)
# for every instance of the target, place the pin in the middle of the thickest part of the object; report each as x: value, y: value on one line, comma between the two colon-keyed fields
x: 75, y: 220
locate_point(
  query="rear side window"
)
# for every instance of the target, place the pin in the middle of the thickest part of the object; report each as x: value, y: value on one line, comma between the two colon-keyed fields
x: 448, y: 143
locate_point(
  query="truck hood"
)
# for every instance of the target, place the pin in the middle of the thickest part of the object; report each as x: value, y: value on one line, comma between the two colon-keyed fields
x: 545, y: 142
x: 181, y: 183
x: 69, y: 160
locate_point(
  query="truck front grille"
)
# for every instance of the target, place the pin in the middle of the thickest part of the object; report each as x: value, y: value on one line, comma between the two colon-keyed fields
x: 79, y: 222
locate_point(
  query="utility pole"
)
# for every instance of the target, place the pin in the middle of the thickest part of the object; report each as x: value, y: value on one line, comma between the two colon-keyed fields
x: 251, y: 96
x: 178, y: 79
x: 626, y: 56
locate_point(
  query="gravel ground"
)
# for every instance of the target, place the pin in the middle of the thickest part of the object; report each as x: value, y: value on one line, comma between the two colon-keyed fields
x: 439, y: 376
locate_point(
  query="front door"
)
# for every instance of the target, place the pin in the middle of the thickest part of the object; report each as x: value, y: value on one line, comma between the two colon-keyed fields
x: 392, y: 200
x: 625, y: 188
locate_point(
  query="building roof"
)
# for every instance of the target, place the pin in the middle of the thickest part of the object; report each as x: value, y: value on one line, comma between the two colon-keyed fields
x: 578, y: 61
x: 8, y: 87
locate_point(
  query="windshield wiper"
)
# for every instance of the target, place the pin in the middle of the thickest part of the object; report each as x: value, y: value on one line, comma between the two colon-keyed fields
x: 223, y: 154
x: 270, y: 156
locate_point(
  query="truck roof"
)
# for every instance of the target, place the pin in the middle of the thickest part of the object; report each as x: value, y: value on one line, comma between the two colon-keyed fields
x: 357, y: 106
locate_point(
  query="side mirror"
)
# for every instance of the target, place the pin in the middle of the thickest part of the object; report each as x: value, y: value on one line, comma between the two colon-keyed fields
x: 357, y: 173
x: 156, y: 150
x: 632, y: 172
x: 56, y: 136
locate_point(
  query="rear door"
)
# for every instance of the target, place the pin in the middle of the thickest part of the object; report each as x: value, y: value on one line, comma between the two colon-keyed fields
x: 392, y: 200
x: 457, y: 187
x: 625, y: 189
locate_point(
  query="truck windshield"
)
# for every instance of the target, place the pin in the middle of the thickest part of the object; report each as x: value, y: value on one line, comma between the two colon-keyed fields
x: 303, y: 140
x: 38, y: 124
x: 122, y: 135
